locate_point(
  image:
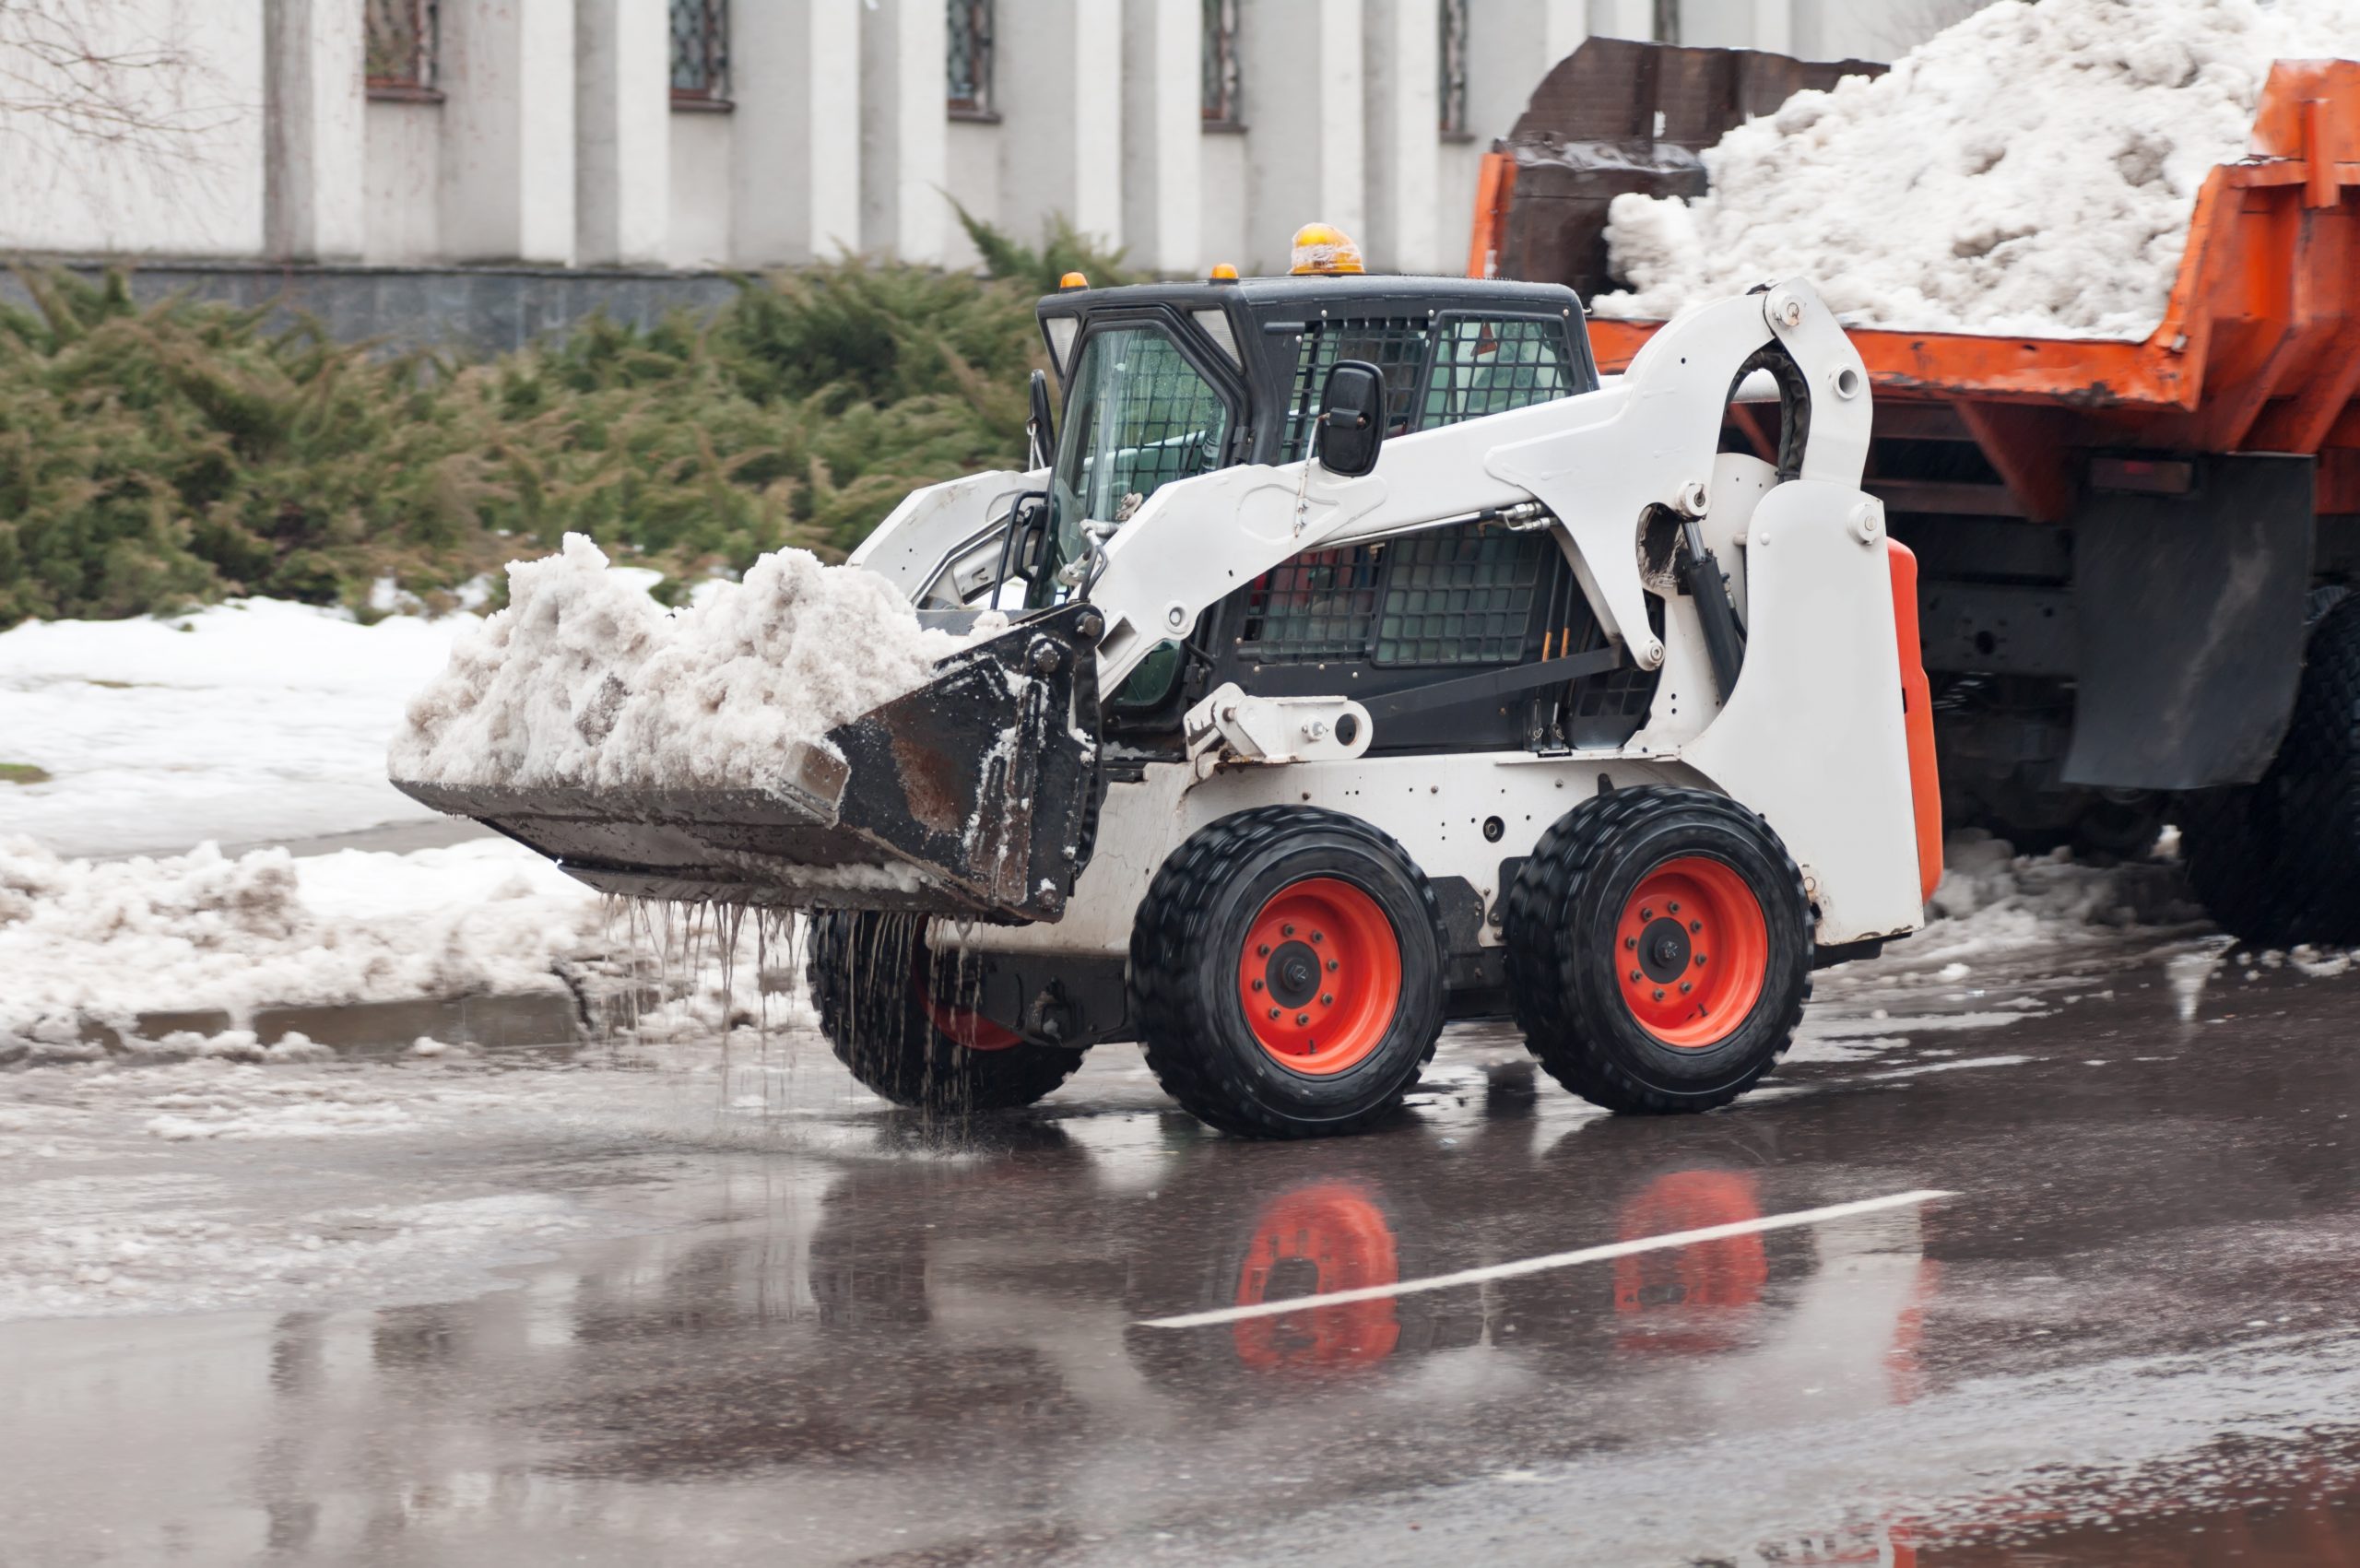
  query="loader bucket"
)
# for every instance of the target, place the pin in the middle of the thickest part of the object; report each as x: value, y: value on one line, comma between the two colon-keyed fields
x: 975, y: 794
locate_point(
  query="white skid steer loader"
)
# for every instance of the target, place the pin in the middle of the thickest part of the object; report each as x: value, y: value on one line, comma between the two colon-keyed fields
x: 1373, y: 664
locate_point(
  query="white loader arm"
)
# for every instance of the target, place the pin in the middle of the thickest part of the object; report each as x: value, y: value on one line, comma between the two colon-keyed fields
x: 943, y: 544
x: 1597, y: 461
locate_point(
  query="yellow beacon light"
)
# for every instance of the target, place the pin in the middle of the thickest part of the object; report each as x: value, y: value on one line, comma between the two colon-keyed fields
x: 1073, y: 280
x: 1324, y: 250
x: 1222, y: 273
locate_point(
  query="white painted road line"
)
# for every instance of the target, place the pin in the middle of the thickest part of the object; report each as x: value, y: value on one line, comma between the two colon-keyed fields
x: 1834, y: 1211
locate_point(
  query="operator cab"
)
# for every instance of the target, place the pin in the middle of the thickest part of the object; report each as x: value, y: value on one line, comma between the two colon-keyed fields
x: 1168, y: 381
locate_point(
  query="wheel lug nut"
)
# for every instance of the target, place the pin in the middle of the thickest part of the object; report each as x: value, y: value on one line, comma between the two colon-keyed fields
x: 1685, y: 987
x: 1327, y: 999
x: 1659, y: 993
x: 1630, y: 941
x: 1318, y: 937
x: 1695, y: 926
x: 1262, y: 950
x: 1274, y: 1012
x: 1257, y: 985
x: 1671, y: 909
x: 1637, y: 977
x: 1286, y: 930
x: 1700, y: 961
x: 1301, y: 1019
x: 1647, y: 913
x: 1331, y: 966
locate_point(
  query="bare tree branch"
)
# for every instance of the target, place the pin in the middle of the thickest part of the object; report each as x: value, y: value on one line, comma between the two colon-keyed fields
x: 111, y: 71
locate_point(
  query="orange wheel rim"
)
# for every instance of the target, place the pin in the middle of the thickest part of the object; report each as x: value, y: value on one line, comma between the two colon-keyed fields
x: 964, y: 1025
x: 1692, y: 950
x: 1320, y: 976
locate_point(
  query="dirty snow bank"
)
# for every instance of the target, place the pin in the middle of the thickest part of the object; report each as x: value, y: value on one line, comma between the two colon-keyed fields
x: 108, y: 940
x: 2031, y: 170
x: 583, y: 679
x: 248, y: 721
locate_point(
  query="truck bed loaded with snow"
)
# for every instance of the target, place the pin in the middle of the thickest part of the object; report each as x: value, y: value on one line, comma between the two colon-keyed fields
x: 2103, y: 269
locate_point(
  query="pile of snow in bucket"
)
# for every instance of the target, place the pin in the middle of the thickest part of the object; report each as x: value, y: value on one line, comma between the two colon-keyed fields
x: 584, y: 680
x: 2031, y: 170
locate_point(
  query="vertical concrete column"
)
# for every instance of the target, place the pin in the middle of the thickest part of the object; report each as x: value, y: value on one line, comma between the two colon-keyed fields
x: 1301, y: 97
x: 796, y: 73
x: 1622, y: 18
x: 1059, y: 96
x: 1511, y: 44
x: 904, y: 73
x: 1164, y: 134
x: 314, y: 143
x: 622, y: 172
x: 1402, y: 66
x: 507, y: 176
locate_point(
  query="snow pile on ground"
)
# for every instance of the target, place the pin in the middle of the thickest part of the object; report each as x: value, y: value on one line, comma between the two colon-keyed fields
x: 583, y: 679
x: 1991, y: 900
x: 2031, y: 170
x: 105, y: 941
x: 248, y: 720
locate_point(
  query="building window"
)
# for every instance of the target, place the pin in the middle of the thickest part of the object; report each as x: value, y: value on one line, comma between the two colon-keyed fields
x: 1452, y: 94
x: 1221, y: 64
x: 400, y: 41
x: 700, y: 54
x: 968, y: 84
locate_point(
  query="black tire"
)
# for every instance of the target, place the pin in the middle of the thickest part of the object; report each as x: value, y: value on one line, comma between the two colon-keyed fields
x: 1566, y: 958
x: 1188, y: 942
x: 2277, y: 862
x: 866, y: 969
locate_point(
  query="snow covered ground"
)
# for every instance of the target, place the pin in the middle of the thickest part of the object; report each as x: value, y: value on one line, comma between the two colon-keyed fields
x: 248, y: 722
x: 102, y: 942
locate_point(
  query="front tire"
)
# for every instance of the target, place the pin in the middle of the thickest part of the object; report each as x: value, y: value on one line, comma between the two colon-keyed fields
x: 873, y: 982
x: 1659, y: 950
x: 1286, y: 974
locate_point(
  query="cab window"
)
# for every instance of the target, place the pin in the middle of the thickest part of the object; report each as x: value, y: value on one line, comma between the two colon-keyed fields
x: 1139, y: 416
x: 1488, y: 365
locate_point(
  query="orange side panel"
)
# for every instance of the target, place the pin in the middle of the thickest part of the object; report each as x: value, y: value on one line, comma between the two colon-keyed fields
x: 1917, y: 717
x: 1495, y: 188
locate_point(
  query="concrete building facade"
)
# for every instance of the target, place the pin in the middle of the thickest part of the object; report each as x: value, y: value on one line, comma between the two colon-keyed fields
x: 703, y: 135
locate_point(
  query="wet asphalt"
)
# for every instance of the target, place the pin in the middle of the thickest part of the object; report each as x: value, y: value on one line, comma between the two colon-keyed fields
x: 2131, y: 1337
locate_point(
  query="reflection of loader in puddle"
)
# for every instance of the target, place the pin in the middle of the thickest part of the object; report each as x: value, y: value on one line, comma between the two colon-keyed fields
x: 1315, y: 1240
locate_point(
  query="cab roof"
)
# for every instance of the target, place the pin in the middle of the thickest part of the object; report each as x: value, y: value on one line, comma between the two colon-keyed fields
x: 1278, y: 294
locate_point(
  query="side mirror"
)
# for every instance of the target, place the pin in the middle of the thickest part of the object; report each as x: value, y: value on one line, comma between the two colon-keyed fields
x: 1039, y: 433
x: 1351, y: 419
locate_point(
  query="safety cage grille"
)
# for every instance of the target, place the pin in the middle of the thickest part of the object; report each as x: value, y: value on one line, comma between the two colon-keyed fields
x: 1462, y: 596
x: 1482, y: 365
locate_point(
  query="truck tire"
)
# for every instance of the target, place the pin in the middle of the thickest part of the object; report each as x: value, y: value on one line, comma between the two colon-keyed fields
x: 870, y: 984
x: 2278, y: 861
x: 1286, y: 974
x: 1692, y: 894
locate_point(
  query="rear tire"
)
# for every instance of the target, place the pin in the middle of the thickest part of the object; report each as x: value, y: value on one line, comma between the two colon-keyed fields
x: 2277, y: 862
x: 869, y: 974
x: 1615, y: 925
x: 1329, y: 929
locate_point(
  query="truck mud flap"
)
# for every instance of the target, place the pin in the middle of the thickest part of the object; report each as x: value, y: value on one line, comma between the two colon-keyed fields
x: 2188, y: 612
x: 975, y: 795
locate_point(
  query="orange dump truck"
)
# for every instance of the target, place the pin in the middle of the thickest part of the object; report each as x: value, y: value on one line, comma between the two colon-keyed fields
x: 2135, y: 558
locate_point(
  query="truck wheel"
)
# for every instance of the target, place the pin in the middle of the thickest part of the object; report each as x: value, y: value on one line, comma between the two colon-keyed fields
x: 1659, y: 950
x: 2278, y: 861
x: 1286, y: 974
x: 871, y: 983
